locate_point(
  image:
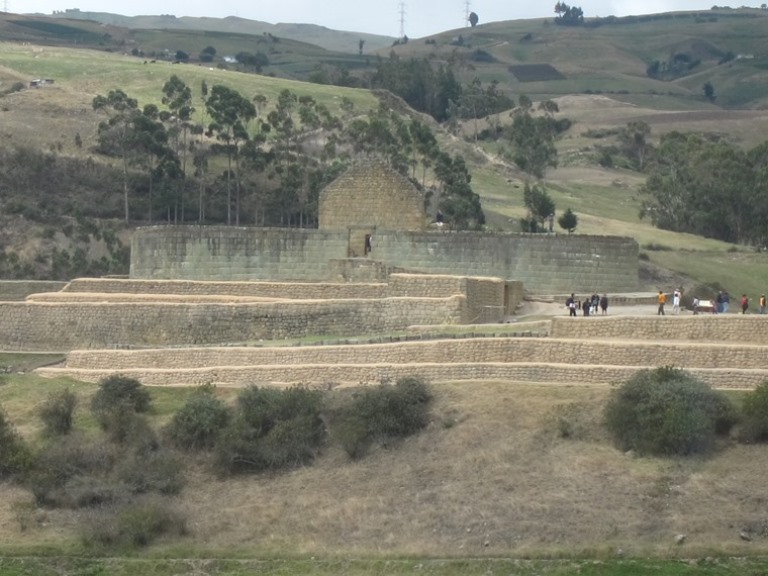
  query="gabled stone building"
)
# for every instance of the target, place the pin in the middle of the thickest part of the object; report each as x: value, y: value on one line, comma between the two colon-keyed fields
x: 369, y: 197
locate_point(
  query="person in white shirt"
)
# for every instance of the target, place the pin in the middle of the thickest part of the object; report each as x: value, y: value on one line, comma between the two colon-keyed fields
x: 676, y: 301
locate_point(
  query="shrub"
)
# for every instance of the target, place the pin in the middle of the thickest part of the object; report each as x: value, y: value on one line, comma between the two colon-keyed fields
x: 124, y: 426
x: 383, y: 412
x: 667, y: 412
x: 119, y: 391
x: 69, y: 457
x: 754, y: 412
x: 57, y: 412
x: 157, y: 470
x: 15, y: 456
x: 132, y: 525
x: 272, y: 429
x: 199, y: 422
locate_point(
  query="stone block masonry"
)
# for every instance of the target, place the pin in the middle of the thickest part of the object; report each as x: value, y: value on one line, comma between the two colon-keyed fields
x: 545, y: 264
x: 726, y: 328
x: 17, y: 290
x: 515, y: 359
x: 62, y: 326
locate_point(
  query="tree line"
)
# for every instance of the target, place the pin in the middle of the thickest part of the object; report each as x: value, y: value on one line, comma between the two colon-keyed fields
x: 236, y: 162
x: 709, y: 187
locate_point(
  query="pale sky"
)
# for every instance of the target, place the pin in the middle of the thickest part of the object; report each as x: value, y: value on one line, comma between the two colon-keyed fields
x: 421, y: 17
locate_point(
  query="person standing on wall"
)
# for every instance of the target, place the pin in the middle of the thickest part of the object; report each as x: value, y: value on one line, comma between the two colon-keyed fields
x: 762, y: 304
x: 604, y: 304
x: 744, y: 303
x: 662, y: 299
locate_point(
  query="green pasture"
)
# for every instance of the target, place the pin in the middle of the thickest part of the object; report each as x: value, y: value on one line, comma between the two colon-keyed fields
x: 96, y: 72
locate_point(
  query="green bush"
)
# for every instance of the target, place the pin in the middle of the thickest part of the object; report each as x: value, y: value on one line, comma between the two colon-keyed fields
x: 754, y: 412
x: 383, y: 412
x: 57, y: 412
x: 15, y: 456
x: 198, y: 424
x: 667, y: 412
x: 272, y: 429
x: 117, y: 393
x: 124, y: 426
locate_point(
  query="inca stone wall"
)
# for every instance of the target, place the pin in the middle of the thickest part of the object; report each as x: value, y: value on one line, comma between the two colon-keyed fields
x: 109, y: 313
x: 260, y: 289
x: 368, y: 197
x: 61, y: 326
x: 234, y: 253
x: 724, y: 328
x: 543, y: 263
x: 514, y: 359
x: 20, y: 289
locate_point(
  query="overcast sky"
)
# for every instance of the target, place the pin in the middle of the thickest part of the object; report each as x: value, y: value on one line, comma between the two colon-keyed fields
x: 421, y: 17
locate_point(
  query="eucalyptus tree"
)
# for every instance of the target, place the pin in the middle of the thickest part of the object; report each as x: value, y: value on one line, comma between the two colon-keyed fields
x: 115, y: 135
x: 177, y: 95
x: 458, y: 202
x: 533, y: 142
x: 200, y: 153
x: 150, y: 141
x: 230, y: 113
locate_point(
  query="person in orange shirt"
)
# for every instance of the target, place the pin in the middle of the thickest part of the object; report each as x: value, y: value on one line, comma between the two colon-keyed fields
x: 762, y: 304
x: 662, y: 301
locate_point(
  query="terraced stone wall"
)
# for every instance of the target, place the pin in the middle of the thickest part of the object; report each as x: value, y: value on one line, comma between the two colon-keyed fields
x: 258, y: 289
x: 61, y: 326
x: 543, y: 263
x: 16, y: 290
x: 517, y: 359
x: 726, y: 328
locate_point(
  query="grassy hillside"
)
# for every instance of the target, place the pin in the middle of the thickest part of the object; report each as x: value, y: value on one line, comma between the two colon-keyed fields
x: 613, y: 57
x: 605, y: 55
x: 606, y: 200
x: 333, y: 40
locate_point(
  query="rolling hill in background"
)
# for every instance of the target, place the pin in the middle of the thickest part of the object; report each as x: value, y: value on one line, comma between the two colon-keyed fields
x: 660, y: 60
x: 597, y: 73
x: 333, y: 40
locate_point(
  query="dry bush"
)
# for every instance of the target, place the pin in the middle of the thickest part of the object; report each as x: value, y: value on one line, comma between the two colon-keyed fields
x: 57, y: 412
x: 133, y: 525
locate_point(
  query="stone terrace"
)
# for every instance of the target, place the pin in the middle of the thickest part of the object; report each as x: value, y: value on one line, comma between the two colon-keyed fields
x: 189, y: 333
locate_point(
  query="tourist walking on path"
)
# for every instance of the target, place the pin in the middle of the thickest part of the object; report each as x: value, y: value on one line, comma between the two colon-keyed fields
x: 726, y: 301
x: 676, y: 301
x: 762, y: 304
x: 662, y: 300
x: 604, y: 304
x: 744, y: 303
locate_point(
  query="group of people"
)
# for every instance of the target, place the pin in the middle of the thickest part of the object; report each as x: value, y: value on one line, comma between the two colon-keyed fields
x: 677, y: 298
x: 721, y: 303
x: 589, y: 305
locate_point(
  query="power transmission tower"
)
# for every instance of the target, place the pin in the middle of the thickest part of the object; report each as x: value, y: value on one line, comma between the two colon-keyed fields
x: 466, y: 13
x: 402, y: 19
x: 5, y: 6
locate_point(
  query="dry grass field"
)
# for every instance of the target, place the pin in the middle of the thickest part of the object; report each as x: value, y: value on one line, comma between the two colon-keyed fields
x: 504, y: 469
